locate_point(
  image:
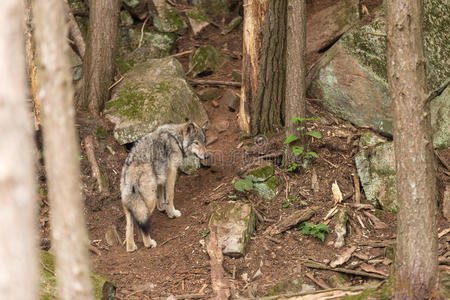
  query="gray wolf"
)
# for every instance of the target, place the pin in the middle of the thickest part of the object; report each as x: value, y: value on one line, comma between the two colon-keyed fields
x: 149, y: 175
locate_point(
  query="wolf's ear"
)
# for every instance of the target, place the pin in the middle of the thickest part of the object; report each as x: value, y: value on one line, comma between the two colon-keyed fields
x: 190, y: 128
x: 205, y: 125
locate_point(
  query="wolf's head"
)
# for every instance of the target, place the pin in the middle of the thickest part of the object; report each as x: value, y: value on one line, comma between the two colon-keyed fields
x: 194, y: 140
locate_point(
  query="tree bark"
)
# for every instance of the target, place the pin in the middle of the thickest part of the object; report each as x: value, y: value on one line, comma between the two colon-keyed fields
x: 61, y: 152
x: 263, y: 90
x: 75, y: 31
x: 100, y: 58
x: 295, y: 72
x: 416, y: 263
x: 18, y: 255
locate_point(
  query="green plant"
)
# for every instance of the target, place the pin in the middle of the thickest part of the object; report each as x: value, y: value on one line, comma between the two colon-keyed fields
x: 318, y: 230
x: 394, y: 210
x: 285, y: 204
x: 301, y: 151
x: 204, y: 233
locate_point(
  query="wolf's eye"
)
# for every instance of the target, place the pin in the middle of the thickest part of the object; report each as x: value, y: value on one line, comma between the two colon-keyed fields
x: 195, y: 143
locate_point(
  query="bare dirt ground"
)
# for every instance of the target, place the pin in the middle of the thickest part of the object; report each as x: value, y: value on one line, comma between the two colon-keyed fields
x: 179, y: 265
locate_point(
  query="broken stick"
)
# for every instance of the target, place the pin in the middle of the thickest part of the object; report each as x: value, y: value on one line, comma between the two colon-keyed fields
x: 316, y: 265
x: 89, y: 148
x: 220, y: 285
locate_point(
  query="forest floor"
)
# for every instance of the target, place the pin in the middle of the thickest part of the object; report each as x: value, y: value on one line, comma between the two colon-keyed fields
x: 180, y: 265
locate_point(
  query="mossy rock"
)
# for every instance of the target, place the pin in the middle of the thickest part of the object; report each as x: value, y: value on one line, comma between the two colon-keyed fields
x: 206, y: 59
x: 262, y: 174
x: 198, y: 19
x: 351, y: 80
x: 103, y: 288
x: 235, y: 223
x: 209, y: 93
x: 376, y: 170
x: 125, y: 18
x: 168, y: 20
x: 290, y: 287
x: 268, y: 189
x: 214, y: 8
x: 190, y: 165
x: 152, y: 93
x: 232, y: 25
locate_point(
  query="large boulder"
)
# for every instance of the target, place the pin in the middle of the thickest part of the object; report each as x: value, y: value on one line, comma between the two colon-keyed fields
x: 151, y: 94
x: 351, y: 80
x: 375, y: 163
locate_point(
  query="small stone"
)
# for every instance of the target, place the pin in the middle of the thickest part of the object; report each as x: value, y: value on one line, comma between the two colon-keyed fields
x: 222, y: 126
x: 232, y: 25
x: 215, y: 103
x: 231, y: 100
x: 190, y: 165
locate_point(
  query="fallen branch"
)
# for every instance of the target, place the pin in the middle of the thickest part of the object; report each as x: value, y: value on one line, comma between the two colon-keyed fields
x: 316, y: 265
x: 357, y: 188
x: 214, y: 82
x: 219, y: 285
x: 318, y: 281
x: 377, y: 244
x: 94, y: 250
x: 89, y: 148
x: 47, y: 269
x: 75, y: 31
x: 142, y: 32
x: 318, y: 295
x: 182, y: 53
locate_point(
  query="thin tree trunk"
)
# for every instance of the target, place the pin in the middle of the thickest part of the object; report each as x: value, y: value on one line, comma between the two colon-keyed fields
x: 262, y: 103
x: 61, y: 152
x: 99, y: 60
x: 295, y: 71
x: 416, y: 263
x: 18, y: 252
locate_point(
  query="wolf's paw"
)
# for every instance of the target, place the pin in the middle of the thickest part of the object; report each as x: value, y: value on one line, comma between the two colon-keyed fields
x: 174, y: 213
x: 161, y: 206
x: 152, y: 244
x: 131, y: 247
x: 148, y: 242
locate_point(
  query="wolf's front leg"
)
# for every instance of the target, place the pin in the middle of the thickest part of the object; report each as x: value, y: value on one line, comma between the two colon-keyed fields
x: 170, y: 191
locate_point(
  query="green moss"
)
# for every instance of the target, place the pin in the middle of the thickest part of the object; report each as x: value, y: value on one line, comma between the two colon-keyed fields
x: 262, y: 174
x: 197, y: 14
x: 100, y: 133
x: 272, y: 183
x: 206, y: 58
x: 125, y: 66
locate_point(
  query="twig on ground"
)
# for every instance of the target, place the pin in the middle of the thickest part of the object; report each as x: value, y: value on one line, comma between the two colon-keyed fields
x: 219, y: 284
x: 95, y: 250
x: 214, y: 82
x: 182, y: 53
x: 276, y: 241
x: 357, y: 188
x: 47, y: 269
x: 116, y: 83
x: 316, y: 265
x: 329, y: 162
x: 443, y: 232
x: 318, y: 281
x: 142, y: 32
x: 378, y: 244
x: 170, y: 239
x: 89, y: 148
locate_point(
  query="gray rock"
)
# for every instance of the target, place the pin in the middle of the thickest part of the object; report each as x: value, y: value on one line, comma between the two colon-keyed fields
x: 137, y: 8
x: 351, y: 80
x: 206, y: 59
x: 290, y: 286
x: 151, y: 94
x: 125, y: 18
x: 209, y: 93
x: 190, y: 165
x: 198, y: 19
x: 231, y: 100
x: 375, y: 164
x: 234, y: 23
x: 340, y: 228
x: 167, y: 19
x: 234, y: 222
x: 326, y: 25
x: 440, y: 119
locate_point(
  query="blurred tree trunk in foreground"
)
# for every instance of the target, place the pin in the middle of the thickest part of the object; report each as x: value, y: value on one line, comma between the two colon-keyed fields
x: 416, y: 262
x: 18, y: 251
x: 69, y: 234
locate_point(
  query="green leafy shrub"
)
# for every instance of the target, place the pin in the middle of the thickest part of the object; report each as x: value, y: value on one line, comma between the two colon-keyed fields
x: 318, y: 230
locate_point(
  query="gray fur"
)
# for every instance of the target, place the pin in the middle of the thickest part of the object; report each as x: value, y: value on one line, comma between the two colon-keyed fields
x: 149, y: 173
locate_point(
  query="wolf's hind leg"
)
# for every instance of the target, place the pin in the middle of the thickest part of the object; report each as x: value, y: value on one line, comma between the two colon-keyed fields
x: 129, y: 235
x: 148, y: 190
x: 170, y: 191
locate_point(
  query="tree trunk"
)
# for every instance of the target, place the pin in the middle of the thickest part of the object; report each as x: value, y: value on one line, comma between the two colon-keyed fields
x: 61, y: 152
x: 263, y: 89
x: 18, y: 252
x: 295, y: 71
x: 100, y: 58
x: 416, y: 263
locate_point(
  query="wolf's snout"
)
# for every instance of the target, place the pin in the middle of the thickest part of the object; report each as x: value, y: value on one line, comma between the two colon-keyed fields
x: 207, y: 156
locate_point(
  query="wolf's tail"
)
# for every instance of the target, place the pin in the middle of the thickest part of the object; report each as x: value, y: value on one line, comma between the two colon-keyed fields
x: 133, y: 200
